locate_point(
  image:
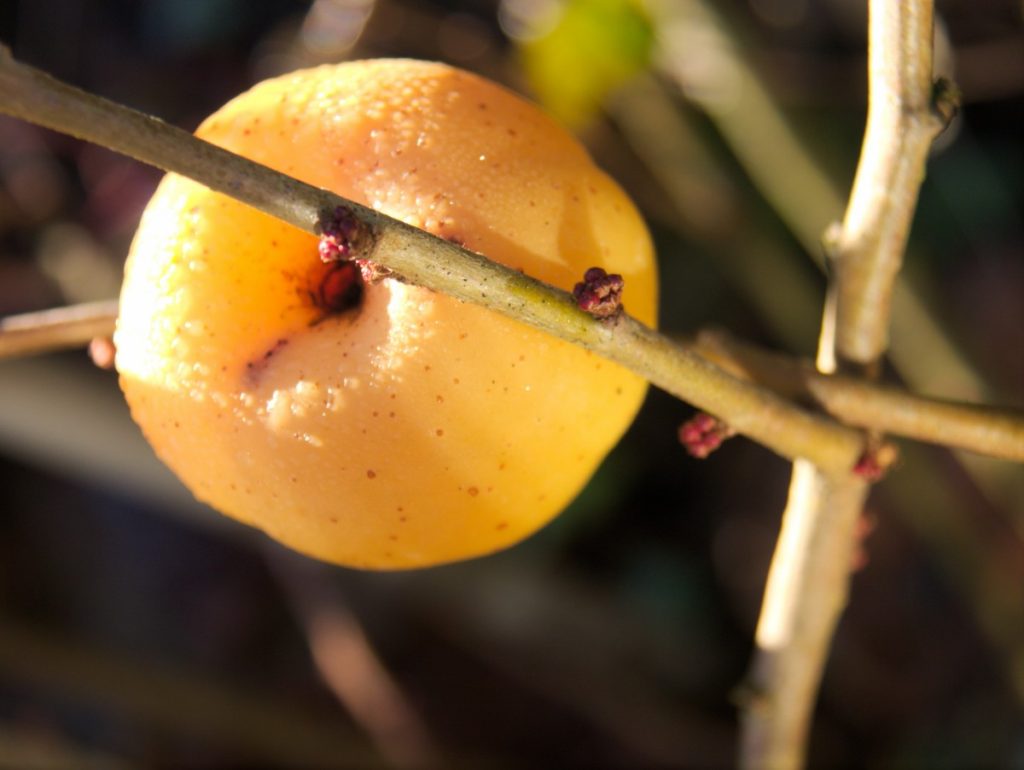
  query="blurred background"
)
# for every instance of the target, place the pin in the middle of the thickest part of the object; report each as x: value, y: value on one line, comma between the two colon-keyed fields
x: 140, y: 629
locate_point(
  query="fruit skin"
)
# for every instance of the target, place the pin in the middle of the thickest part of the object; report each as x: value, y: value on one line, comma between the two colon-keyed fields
x: 413, y: 429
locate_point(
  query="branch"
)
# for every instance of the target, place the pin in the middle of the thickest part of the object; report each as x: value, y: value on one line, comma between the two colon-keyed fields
x: 65, y: 327
x: 865, y: 404
x: 857, y: 402
x: 420, y: 258
x: 809, y: 579
x: 906, y: 111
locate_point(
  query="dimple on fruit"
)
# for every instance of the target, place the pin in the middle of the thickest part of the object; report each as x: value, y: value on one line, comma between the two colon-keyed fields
x: 379, y: 425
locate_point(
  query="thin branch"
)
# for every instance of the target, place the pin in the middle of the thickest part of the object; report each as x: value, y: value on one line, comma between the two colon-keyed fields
x: 866, y: 404
x: 903, y: 119
x: 420, y: 258
x: 65, y: 327
x: 809, y: 579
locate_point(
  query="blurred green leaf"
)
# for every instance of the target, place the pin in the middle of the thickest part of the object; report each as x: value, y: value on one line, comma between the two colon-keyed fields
x: 592, y: 48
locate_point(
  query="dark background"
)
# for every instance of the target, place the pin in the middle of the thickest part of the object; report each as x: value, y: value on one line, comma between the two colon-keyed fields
x: 138, y: 628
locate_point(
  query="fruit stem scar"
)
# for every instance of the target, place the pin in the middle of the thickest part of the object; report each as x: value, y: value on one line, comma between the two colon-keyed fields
x: 600, y: 293
x: 340, y: 289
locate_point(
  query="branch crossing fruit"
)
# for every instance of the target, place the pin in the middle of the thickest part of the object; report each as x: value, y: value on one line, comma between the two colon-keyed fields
x: 377, y: 424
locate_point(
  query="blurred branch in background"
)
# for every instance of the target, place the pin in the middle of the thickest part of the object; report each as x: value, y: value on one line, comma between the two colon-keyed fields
x: 21, y: 749
x: 349, y: 666
x: 710, y: 208
x: 624, y: 681
x: 177, y: 701
x: 47, y: 330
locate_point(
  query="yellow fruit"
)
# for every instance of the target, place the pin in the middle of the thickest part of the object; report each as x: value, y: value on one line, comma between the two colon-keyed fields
x: 411, y: 429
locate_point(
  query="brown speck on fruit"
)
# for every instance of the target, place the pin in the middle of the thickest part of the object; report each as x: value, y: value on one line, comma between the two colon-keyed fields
x: 440, y: 399
x: 333, y: 519
x: 439, y: 432
x: 371, y: 474
x: 473, y: 491
x: 599, y: 293
x: 502, y: 525
x: 255, y: 368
